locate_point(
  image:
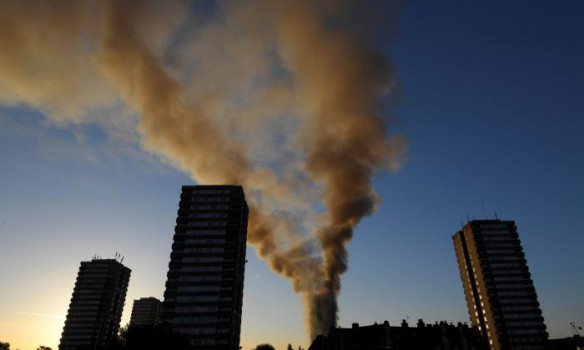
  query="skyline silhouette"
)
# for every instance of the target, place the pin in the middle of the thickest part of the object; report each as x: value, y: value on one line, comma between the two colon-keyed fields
x: 488, y: 96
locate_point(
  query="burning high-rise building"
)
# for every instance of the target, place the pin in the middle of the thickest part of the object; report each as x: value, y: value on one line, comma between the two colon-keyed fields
x: 499, y: 292
x: 204, y: 289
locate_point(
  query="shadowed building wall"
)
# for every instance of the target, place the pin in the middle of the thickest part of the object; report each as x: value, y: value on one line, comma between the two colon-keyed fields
x: 572, y: 343
x: 499, y: 292
x: 96, y: 306
x: 438, y: 336
x: 204, y: 288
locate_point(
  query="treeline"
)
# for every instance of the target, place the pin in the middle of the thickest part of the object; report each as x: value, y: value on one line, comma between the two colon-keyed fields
x: 6, y: 346
x: 147, y: 338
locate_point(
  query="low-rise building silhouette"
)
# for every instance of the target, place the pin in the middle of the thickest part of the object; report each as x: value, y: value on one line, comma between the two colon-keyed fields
x: 571, y: 343
x: 438, y: 336
x: 96, y: 306
x: 145, y: 312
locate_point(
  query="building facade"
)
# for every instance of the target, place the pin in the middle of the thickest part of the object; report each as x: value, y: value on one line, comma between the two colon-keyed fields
x: 499, y: 292
x: 96, y: 306
x: 145, y: 312
x: 204, y: 288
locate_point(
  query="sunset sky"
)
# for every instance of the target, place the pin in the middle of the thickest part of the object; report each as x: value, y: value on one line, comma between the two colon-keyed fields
x: 488, y: 94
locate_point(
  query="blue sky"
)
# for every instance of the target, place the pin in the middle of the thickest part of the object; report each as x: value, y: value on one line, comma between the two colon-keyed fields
x: 489, y: 95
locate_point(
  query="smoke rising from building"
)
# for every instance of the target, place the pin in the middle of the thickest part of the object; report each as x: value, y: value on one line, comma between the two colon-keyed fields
x: 278, y: 96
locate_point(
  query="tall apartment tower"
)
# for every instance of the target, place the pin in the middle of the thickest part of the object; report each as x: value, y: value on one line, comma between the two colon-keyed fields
x: 145, y: 312
x: 499, y: 292
x: 96, y: 306
x: 204, y: 288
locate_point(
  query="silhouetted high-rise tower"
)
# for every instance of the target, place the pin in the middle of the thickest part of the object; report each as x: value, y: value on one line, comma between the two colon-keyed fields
x: 204, y: 289
x: 96, y: 306
x: 499, y: 292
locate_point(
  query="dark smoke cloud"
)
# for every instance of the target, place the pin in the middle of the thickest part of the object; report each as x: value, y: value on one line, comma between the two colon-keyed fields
x: 276, y: 95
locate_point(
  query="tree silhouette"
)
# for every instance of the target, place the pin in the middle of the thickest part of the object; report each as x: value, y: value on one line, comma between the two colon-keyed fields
x: 4, y: 346
x: 123, y: 334
x: 289, y: 347
x: 264, y: 346
x: 44, y: 348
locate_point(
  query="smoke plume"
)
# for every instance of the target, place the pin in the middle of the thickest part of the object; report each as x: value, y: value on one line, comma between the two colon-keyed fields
x: 278, y: 96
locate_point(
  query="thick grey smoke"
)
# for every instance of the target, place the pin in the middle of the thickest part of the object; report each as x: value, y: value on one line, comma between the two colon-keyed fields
x: 276, y: 95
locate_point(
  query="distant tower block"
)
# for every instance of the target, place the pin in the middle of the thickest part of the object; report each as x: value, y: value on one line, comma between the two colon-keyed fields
x: 145, y: 312
x: 204, y: 289
x: 96, y: 306
x: 498, y: 288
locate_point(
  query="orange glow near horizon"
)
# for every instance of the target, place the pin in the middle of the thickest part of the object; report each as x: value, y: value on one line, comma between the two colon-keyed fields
x: 29, y: 330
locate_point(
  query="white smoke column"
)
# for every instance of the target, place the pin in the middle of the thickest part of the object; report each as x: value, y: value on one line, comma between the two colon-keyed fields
x: 278, y: 96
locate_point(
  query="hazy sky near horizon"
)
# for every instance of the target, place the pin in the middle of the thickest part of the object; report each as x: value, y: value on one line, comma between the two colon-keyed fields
x: 490, y: 97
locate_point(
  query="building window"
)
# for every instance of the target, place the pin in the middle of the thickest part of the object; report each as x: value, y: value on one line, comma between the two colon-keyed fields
x: 206, y: 232
x: 205, y: 250
x: 201, y: 268
x: 209, y: 288
x: 202, y: 259
x: 194, y: 320
x: 210, y: 207
x: 193, y: 309
x: 199, y: 241
x: 199, y: 278
x: 208, y: 223
x: 210, y: 199
x: 198, y: 298
x: 211, y: 191
x: 198, y: 331
x: 208, y: 215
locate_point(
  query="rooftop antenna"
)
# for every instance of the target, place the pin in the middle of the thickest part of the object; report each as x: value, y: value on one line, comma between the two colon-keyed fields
x: 121, y: 261
x: 467, y: 218
x: 484, y: 211
x: 575, y: 328
x: 496, y: 216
